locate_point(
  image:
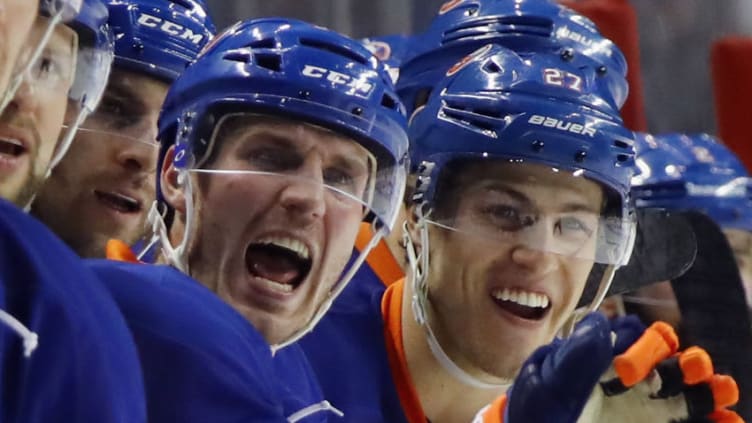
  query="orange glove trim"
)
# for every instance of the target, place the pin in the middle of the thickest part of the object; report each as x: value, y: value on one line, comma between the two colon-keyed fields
x: 725, y: 416
x: 725, y: 391
x: 655, y: 345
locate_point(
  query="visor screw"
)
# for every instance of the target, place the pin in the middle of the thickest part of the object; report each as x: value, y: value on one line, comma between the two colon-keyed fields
x: 538, y: 145
x: 602, y: 70
x: 567, y: 54
x: 357, y: 111
x: 138, y: 45
x: 305, y: 94
x: 580, y: 156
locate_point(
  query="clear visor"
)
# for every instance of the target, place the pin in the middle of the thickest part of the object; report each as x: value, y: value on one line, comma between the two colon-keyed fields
x: 301, y: 179
x: 92, y: 70
x: 337, y: 168
x: 129, y: 133
x: 47, y: 60
x: 518, y: 205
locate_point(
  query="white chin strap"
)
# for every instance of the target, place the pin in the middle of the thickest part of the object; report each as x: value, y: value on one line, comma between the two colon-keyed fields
x: 378, y: 234
x: 600, y: 295
x: 30, y: 339
x: 175, y: 256
x: 418, y: 262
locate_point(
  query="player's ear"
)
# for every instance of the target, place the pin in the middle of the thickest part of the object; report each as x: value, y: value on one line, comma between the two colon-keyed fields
x: 172, y: 187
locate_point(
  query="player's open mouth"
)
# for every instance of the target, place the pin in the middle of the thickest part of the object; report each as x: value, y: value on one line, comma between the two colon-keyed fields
x: 281, y: 263
x: 523, y: 304
x: 12, y: 147
x: 118, y: 202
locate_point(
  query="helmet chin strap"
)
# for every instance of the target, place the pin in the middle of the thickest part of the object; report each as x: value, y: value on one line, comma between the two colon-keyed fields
x: 577, y: 315
x: 600, y: 295
x: 175, y: 256
x: 418, y: 262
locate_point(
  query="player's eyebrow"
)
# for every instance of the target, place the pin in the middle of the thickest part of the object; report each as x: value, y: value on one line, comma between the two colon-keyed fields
x: 121, y: 91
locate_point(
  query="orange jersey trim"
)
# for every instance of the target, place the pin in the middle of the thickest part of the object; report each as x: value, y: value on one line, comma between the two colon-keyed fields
x: 380, y: 259
x: 495, y: 412
x: 391, y: 309
x: 119, y: 251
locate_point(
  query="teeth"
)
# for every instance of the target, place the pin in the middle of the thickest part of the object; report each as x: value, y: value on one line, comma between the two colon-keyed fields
x: 281, y: 287
x: 127, y: 199
x: 12, y: 141
x: 289, y: 243
x: 525, y: 298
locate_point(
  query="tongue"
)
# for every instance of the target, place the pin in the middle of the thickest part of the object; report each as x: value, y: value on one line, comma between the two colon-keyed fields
x: 273, y: 266
x: 530, y: 313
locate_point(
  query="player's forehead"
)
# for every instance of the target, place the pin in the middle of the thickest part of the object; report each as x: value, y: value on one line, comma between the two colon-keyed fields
x: 144, y: 89
x: 532, y: 182
x: 250, y: 129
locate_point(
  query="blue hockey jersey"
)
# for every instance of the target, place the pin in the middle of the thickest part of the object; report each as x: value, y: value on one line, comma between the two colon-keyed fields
x: 202, y: 361
x: 85, y: 366
x: 380, y: 269
x: 356, y: 352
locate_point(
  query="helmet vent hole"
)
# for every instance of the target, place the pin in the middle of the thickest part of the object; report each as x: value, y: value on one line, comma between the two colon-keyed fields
x: 621, y: 158
x: 333, y: 48
x: 238, y: 56
x: 491, y: 67
x: 389, y: 102
x: 265, y: 43
x: 273, y: 62
x: 621, y: 144
x: 491, y: 113
x: 187, y: 4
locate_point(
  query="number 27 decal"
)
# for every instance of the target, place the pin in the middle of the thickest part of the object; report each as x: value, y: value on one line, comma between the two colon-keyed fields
x: 561, y: 78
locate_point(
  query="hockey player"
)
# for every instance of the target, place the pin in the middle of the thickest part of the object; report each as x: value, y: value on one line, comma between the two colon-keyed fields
x: 105, y: 185
x: 459, y: 28
x: 59, y: 82
x: 66, y: 353
x: 276, y: 144
x: 520, y: 216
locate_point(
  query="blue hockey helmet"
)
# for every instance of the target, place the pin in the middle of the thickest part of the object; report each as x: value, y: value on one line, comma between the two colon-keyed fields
x: 159, y: 37
x: 462, y: 26
x: 693, y: 172
x: 294, y: 69
x: 499, y: 104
